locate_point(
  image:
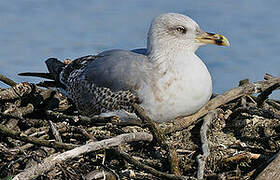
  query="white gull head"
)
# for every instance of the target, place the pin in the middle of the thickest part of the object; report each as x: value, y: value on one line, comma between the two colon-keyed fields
x: 173, y: 30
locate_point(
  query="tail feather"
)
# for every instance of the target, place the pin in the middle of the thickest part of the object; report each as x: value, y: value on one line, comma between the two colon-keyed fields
x: 55, y: 67
x: 37, y: 74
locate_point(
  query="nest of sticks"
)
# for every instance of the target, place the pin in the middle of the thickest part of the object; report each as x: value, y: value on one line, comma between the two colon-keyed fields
x: 235, y: 136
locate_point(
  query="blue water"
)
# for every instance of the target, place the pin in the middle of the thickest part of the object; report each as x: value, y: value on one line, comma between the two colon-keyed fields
x: 34, y: 30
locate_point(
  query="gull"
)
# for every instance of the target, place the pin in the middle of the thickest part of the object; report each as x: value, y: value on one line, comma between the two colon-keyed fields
x: 167, y: 78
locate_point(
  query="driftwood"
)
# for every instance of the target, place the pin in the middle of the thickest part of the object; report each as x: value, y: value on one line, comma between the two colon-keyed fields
x: 152, y: 170
x: 272, y: 171
x: 238, y: 139
x: 7, y: 81
x: 20, y: 136
x: 161, y: 139
x: 204, y: 141
x: 50, y: 162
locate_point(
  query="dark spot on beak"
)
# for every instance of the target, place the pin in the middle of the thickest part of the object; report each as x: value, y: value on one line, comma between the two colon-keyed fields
x: 219, y: 42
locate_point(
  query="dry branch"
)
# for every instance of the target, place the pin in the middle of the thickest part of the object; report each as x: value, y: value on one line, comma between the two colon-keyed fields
x: 150, y: 169
x: 41, y: 142
x: 19, y: 111
x: 16, y: 91
x: 7, y: 81
x: 55, y: 132
x: 272, y: 171
x: 246, y: 89
x: 205, y: 144
x: 160, y: 138
x: 264, y: 95
x: 50, y: 162
x: 241, y: 156
x: 255, y: 111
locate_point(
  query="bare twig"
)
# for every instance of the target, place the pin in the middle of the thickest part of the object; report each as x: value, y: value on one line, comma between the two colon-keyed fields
x: 55, y: 132
x: 272, y: 171
x: 160, y: 138
x: 49, y: 162
x: 204, y: 141
x: 150, y: 124
x: 86, y: 134
x: 20, y: 111
x: 150, y: 169
x: 7, y: 81
x: 246, y: 89
x: 273, y: 103
x: 264, y: 95
x: 241, y: 156
x: 102, y: 174
x: 17, y: 91
x: 22, y: 137
x: 255, y: 111
x: 10, y: 116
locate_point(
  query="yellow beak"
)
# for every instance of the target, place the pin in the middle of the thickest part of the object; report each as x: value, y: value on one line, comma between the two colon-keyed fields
x: 211, y: 38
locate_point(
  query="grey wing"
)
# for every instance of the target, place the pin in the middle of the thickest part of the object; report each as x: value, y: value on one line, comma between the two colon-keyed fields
x: 107, y: 82
x: 118, y: 70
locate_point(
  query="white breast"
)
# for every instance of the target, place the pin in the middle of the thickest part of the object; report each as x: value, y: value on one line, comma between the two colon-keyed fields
x: 182, y: 90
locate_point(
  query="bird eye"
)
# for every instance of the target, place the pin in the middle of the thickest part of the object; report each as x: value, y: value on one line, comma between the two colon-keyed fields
x: 181, y: 29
